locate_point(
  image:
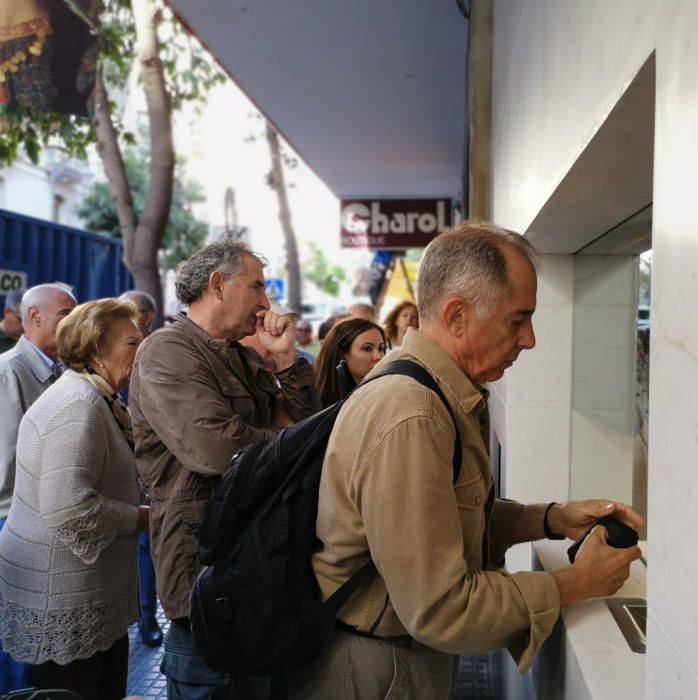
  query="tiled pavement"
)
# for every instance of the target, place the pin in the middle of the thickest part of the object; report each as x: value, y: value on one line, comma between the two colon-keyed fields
x: 144, y: 677
x: 479, y: 677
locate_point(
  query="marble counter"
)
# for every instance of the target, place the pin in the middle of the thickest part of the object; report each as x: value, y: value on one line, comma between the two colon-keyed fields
x: 587, y: 657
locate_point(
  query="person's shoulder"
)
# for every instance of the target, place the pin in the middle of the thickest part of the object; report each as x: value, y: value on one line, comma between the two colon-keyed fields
x: 171, y: 353
x: 73, y: 388
x: 166, y: 343
x: 391, y: 398
x: 68, y: 398
x: 15, y: 357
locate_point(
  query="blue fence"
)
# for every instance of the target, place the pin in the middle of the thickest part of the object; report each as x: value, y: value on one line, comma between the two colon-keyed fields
x: 33, y: 251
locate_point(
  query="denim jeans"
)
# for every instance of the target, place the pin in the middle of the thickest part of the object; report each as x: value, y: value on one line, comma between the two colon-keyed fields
x: 146, y: 574
x: 189, y: 678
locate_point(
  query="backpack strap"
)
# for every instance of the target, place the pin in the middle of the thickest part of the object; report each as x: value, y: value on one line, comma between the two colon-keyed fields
x: 411, y: 369
x: 343, y: 593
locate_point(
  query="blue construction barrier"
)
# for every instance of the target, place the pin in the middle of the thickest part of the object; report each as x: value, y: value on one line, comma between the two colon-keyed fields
x: 33, y: 251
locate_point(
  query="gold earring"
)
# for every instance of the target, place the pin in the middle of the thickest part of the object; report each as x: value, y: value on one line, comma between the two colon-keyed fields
x: 101, y: 365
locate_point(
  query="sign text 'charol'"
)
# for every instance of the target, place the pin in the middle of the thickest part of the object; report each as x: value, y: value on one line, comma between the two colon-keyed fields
x: 393, y: 224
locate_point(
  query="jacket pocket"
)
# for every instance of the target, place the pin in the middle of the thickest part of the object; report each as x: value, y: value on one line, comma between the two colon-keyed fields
x: 471, y: 494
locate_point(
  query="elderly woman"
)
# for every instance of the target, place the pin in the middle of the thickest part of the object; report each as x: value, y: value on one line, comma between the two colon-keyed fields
x: 352, y: 348
x: 68, y: 552
x: 398, y: 320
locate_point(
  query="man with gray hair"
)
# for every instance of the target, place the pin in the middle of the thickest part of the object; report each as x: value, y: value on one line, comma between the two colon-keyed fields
x: 11, y: 323
x: 198, y: 396
x: 146, y: 309
x: 26, y: 371
x: 388, y: 494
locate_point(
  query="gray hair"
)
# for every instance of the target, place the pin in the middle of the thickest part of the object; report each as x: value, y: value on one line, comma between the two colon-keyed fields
x: 141, y: 299
x: 468, y: 260
x: 40, y: 295
x: 13, y: 300
x: 226, y: 256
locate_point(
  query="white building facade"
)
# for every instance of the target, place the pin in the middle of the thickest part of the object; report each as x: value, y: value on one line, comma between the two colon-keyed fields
x: 594, y: 112
x: 52, y: 190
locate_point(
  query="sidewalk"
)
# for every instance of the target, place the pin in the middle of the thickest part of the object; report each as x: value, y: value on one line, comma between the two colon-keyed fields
x: 144, y: 677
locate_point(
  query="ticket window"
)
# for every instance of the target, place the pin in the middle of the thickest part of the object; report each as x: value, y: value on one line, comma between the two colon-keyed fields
x: 611, y: 366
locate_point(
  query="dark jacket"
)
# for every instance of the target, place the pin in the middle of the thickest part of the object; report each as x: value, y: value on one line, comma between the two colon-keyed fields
x: 191, y: 412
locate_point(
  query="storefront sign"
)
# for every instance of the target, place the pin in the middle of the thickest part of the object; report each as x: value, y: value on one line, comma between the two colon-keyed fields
x: 392, y: 224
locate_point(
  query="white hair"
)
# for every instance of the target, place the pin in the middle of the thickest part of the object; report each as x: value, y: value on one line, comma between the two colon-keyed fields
x: 40, y: 294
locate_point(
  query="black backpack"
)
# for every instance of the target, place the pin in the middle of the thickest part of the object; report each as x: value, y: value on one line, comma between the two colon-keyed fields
x: 256, y: 608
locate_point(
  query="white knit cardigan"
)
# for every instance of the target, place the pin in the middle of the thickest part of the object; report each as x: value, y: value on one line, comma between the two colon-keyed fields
x: 68, y: 551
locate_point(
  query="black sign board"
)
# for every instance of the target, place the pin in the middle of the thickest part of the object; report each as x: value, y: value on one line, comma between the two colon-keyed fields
x: 392, y: 224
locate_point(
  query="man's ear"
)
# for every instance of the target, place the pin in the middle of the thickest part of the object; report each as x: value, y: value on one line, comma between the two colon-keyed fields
x: 34, y: 315
x: 453, y: 315
x: 215, y: 284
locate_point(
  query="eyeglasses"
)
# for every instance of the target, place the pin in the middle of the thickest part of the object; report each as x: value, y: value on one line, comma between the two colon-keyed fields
x: 303, y: 330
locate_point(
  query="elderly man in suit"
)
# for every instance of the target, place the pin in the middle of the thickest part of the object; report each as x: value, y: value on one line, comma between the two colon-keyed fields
x: 26, y: 371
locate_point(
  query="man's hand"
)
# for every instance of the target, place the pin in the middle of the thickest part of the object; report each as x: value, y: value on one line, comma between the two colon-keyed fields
x: 277, y: 334
x: 598, y: 570
x: 574, y: 518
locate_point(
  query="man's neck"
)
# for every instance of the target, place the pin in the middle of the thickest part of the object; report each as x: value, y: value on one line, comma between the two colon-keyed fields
x: 51, y: 353
x: 208, y: 322
x: 440, y: 335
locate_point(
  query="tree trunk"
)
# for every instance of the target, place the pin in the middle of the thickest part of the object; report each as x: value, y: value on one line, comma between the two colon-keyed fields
x: 293, y: 297
x: 142, y: 239
x: 113, y: 162
x: 143, y: 262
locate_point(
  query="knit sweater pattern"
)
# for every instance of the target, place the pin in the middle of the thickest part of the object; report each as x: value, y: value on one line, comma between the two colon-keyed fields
x: 68, y: 551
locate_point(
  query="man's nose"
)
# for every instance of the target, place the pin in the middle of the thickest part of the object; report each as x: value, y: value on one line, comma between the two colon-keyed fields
x: 264, y: 303
x: 528, y: 337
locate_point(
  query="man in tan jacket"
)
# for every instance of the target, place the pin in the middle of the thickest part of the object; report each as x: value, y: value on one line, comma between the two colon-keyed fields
x: 387, y: 493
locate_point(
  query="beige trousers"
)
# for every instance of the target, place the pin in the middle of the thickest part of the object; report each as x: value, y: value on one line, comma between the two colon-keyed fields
x: 357, y: 668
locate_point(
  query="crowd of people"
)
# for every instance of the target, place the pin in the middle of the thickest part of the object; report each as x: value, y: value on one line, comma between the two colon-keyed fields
x: 113, y: 440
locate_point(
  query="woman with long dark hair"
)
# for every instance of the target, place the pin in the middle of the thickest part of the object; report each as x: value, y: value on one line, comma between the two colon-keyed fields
x: 351, y: 350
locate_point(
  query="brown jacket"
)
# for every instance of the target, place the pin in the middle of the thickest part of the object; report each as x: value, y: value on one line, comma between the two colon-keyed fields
x: 191, y: 412
x: 387, y: 490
